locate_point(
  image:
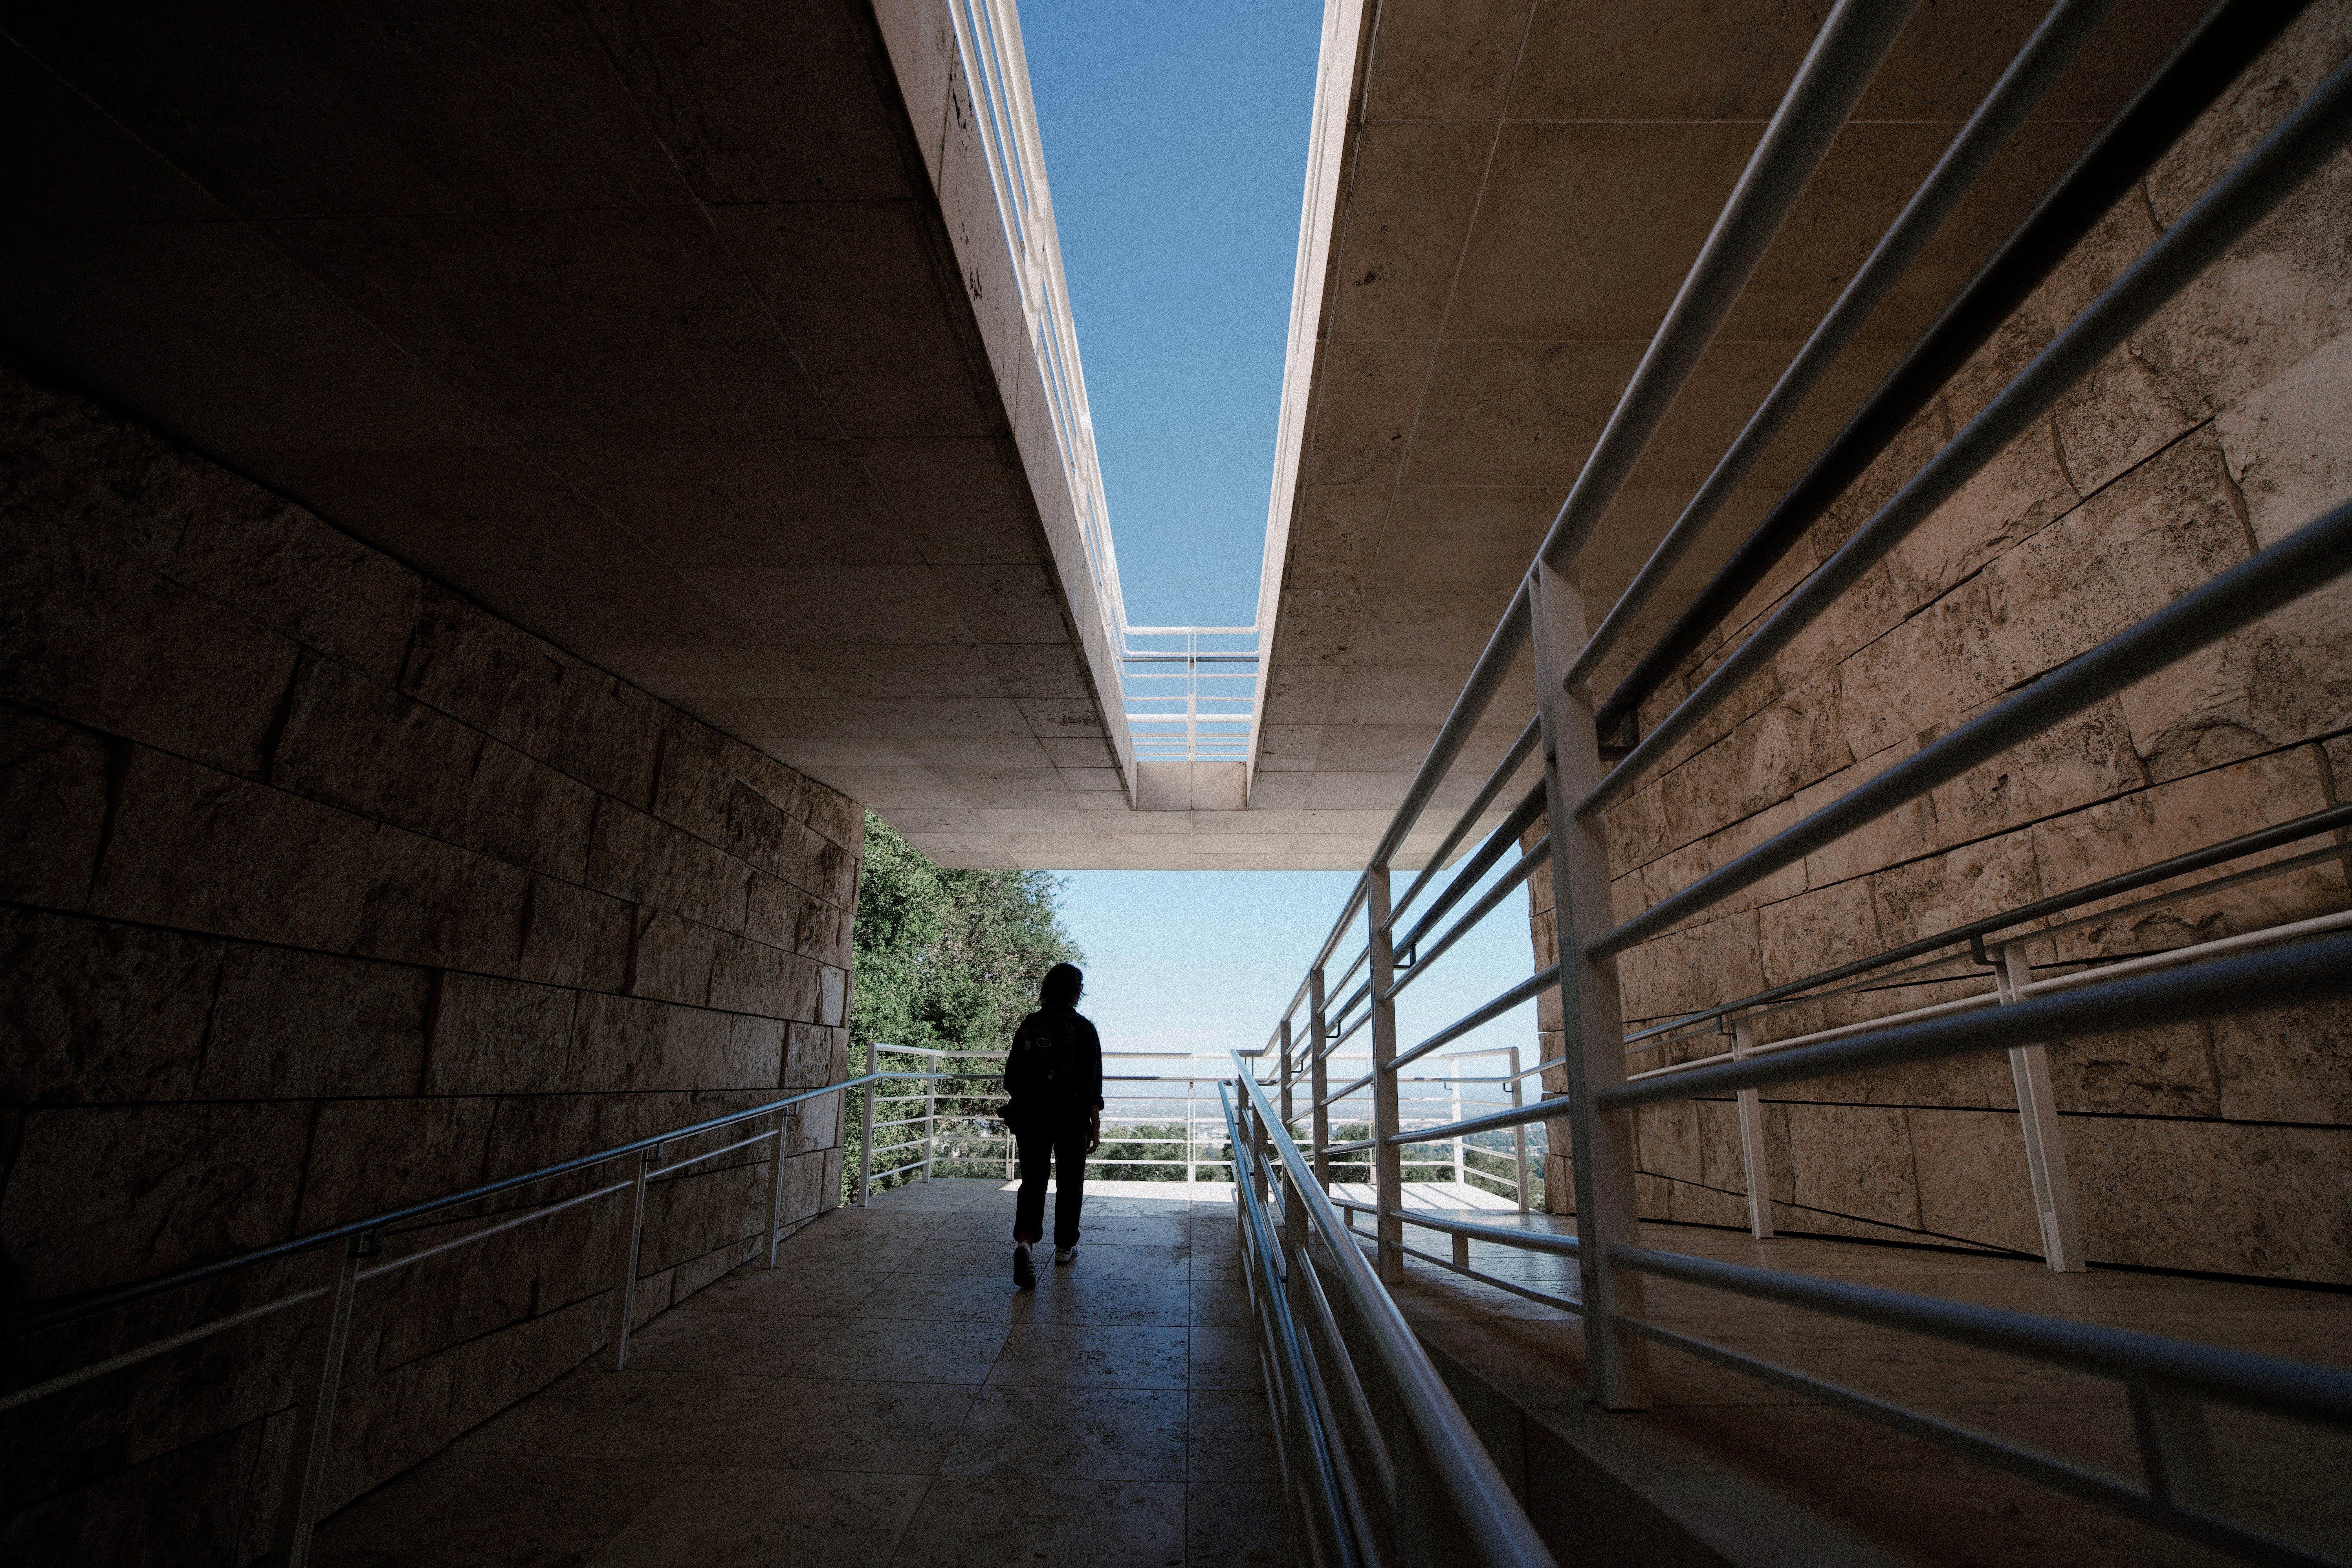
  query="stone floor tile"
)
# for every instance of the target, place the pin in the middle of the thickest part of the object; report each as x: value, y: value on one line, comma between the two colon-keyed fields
x: 1073, y: 1434
x: 996, y: 1521
x: 1236, y: 1526
x: 807, y: 1423
x: 790, y: 1289
x: 1163, y: 1260
x: 952, y: 1298
x: 1229, y: 1437
x: 903, y: 1350
x: 852, y: 1251
x: 991, y: 1259
x: 1073, y: 1294
x: 717, y: 1516
x: 1091, y: 1355
x: 686, y: 1340
x: 1223, y: 1356
x: 477, y: 1510
x: 591, y: 1413
x: 1219, y: 1301
x: 1141, y: 1230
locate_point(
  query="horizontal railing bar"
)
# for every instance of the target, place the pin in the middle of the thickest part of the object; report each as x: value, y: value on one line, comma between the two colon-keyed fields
x: 2312, y: 133
x: 1504, y: 839
x: 2318, y: 969
x: 2060, y: 35
x: 131, y: 1358
x: 1538, y: 855
x: 2301, y: 563
x: 1521, y: 749
x: 2126, y: 965
x: 2244, y: 844
x: 2196, y: 74
x: 1348, y: 1148
x: 1518, y: 995
x: 1993, y: 1451
x: 1529, y: 1240
x: 1845, y: 54
x: 1479, y: 1498
x: 1486, y: 677
x: 1539, y: 1297
x: 467, y: 1240
x: 2321, y: 1394
x: 39, y: 1315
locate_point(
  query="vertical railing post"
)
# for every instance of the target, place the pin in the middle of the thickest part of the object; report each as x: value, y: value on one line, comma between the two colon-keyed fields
x: 776, y: 1182
x: 314, y: 1413
x: 866, y: 1136
x: 1751, y: 1139
x: 1592, y: 1022
x: 1288, y: 1116
x: 1518, y: 1133
x: 1453, y: 1106
x: 1318, y: 1115
x: 1387, y: 1159
x: 2037, y: 1117
x: 930, y: 1113
x: 625, y: 1268
x: 1191, y: 1138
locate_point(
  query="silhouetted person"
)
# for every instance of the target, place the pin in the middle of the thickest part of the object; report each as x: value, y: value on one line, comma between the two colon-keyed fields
x: 1053, y: 1076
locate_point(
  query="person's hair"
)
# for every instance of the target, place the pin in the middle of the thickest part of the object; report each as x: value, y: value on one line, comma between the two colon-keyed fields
x: 1062, y: 986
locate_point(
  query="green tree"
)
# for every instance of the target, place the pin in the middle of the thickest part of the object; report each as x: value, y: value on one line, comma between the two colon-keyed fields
x: 945, y: 961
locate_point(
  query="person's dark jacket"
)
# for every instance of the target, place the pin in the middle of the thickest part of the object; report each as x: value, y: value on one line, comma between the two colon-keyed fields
x: 1056, y: 1064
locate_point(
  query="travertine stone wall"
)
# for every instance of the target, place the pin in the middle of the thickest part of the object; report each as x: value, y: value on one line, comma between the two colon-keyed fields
x: 2223, y: 427
x: 327, y: 891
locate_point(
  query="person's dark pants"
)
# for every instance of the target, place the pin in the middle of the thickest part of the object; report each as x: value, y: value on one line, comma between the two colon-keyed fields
x: 1059, y: 1148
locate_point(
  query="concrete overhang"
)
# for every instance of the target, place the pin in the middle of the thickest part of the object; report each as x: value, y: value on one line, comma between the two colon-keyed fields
x: 689, y: 338
x: 1503, y: 200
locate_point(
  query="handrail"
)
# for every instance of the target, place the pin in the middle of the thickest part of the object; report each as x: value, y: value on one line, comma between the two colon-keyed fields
x: 60, y: 1311
x: 2297, y: 963
x: 1497, y: 1528
x: 2198, y: 71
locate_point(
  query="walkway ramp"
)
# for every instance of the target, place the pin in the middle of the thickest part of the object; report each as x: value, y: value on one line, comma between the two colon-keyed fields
x: 885, y: 1397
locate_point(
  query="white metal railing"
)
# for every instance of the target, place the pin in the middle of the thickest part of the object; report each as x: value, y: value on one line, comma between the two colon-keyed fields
x: 1191, y: 692
x: 2305, y: 964
x: 1203, y: 711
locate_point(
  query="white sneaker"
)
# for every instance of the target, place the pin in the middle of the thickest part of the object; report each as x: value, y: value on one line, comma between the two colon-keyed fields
x: 1064, y: 1255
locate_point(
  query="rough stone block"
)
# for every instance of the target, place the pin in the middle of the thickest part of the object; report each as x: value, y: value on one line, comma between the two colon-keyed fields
x: 352, y: 743
x: 2222, y: 1196
x: 497, y: 1037
x: 672, y: 959
x: 1667, y: 1141
x: 178, y: 1507
x: 282, y: 567
x: 574, y: 936
x: 2286, y: 1067
x: 1854, y: 1161
x: 1938, y: 894
x: 2154, y: 825
x: 695, y: 782
x: 385, y: 1424
x: 1973, y: 1182
x: 1817, y: 931
x: 2085, y: 759
x: 290, y: 1025
x: 90, y: 1011
x: 489, y: 1374
x: 541, y: 701
x: 52, y: 809
x: 625, y: 1043
x: 527, y: 814
x: 2143, y: 1072
x: 367, y: 1155
x: 746, y: 977
x: 102, y: 1195
x: 810, y: 1052
x: 205, y: 851
x: 103, y: 644
x: 647, y: 861
x: 434, y: 903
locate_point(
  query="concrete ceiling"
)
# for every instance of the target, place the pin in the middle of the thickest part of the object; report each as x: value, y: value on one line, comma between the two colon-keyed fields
x: 1524, y: 186
x: 641, y: 324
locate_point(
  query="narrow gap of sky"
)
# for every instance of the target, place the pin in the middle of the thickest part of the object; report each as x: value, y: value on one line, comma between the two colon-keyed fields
x: 1175, y: 143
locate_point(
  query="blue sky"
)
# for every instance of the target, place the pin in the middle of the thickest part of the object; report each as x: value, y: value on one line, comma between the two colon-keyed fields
x: 1175, y: 141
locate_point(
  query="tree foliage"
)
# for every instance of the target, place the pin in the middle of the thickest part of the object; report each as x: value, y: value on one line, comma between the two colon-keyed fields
x: 949, y: 960
x: 945, y: 961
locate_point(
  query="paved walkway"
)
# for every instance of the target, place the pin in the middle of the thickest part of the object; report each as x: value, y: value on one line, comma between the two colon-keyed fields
x: 885, y: 1397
